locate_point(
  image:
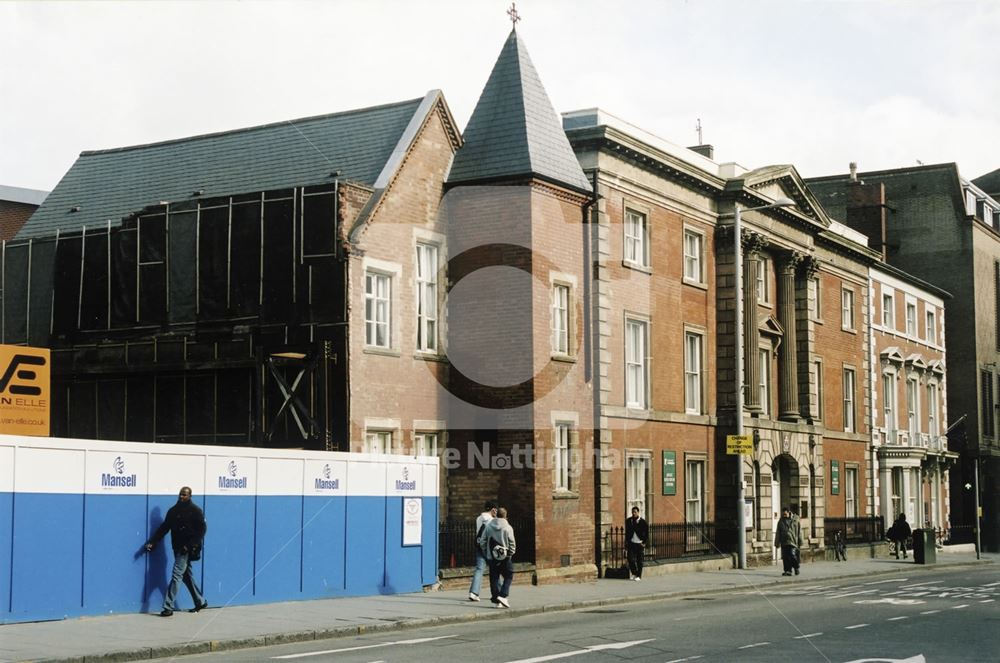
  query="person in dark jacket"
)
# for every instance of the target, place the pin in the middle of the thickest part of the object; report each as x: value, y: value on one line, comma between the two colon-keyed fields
x: 636, y: 538
x: 186, y: 524
x: 788, y: 536
x: 900, y: 533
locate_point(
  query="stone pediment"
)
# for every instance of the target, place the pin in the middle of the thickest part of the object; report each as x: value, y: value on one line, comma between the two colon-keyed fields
x: 936, y: 367
x: 769, y: 326
x: 892, y: 355
x: 916, y: 361
x: 784, y: 181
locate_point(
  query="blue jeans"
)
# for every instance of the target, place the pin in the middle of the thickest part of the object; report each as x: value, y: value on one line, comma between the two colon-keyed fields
x: 182, y: 572
x: 505, y: 568
x: 477, y: 576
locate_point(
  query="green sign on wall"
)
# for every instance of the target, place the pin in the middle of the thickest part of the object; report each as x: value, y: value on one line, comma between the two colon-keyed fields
x: 834, y: 477
x: 669, y: 472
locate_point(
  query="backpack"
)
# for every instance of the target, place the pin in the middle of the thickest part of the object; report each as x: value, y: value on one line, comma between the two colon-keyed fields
x: 497, y: 551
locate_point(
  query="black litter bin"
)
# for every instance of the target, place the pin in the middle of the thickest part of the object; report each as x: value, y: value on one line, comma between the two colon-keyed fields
x: 924, y: 551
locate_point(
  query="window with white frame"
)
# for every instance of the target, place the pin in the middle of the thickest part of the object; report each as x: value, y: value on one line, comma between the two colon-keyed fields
x: 764, y: 387
x: 851, y: 491
x: 763, y: 295
x: 693, y: 251
x: 896, y: 494
x: 888, y: 311
x: 912, y: 406
x: 911, y: 507
x: 849, y: 387
x: 637, y: 478
x: 930, y: 328
x: 560, y: 319
x: 636, y: 369
x: 847, y: 308
x: 911, y: 319
x: 932, y: 409
x: 636, y: 238
x: 425, y: 444
x: 889, y: 401
x: 819, y: 388
x: 694, y: 490
x: 378, y: 326
x: 378, y: 442
x: 561, y: 460
x: 692, y: 372
x: 427, y: 297
x: 815, y: 298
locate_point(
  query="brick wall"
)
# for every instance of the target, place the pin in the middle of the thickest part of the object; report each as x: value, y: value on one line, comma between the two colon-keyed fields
x: 12, y: 217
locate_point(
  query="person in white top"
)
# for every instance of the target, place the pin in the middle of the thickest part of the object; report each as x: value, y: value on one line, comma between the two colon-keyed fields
x: 488, y: 514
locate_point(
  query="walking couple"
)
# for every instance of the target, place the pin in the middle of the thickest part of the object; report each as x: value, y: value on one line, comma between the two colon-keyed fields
x: 495, y: 547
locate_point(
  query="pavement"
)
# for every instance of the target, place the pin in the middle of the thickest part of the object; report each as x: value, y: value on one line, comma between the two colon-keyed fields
x: 131, y: 637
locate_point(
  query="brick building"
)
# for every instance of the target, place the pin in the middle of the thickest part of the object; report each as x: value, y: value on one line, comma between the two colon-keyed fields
x: 548, y: 307
x: 932, y: 223
x: 16, y: 205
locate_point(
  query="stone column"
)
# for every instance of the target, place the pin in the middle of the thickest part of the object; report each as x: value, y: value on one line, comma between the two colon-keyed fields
x: 805, y: 343
x: 751, y: 336
x: 788, y: 384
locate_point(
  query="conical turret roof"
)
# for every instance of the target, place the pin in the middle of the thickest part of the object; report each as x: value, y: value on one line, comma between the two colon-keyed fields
x: 514, y: 131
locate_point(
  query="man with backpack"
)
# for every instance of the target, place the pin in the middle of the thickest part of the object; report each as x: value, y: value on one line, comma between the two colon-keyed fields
x: 498, y: 546
x: 488, y: 514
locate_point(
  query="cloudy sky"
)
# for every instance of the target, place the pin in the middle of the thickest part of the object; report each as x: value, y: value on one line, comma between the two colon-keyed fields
x: 886, y: 83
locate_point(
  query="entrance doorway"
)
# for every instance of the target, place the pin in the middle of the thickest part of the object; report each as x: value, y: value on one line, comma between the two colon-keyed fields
x: 784, y: 475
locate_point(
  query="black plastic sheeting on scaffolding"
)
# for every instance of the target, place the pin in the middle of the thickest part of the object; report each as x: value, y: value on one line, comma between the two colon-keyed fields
x: 162, y: 325
x: 215, y: 261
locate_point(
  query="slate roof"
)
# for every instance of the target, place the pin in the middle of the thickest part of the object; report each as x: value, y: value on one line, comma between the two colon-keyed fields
x: 514, y: 131
x: 990, y: 182
x: 110, y: 184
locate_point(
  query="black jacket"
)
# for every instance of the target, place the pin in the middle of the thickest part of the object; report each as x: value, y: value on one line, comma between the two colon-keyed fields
x: 186, y: 524
x: 639, y: 528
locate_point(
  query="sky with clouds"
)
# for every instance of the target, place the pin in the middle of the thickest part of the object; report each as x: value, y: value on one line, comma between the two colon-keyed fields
x: 817, y: 84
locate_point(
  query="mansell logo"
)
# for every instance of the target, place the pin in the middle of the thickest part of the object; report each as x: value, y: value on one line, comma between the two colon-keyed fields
x: 232, y: 481
x: 326, y: 483
x: 117, y: 478
x: 24, y: 390
x: 405, y: 483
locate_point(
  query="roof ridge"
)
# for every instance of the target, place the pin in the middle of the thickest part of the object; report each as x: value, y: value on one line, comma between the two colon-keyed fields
x: 269, y: 125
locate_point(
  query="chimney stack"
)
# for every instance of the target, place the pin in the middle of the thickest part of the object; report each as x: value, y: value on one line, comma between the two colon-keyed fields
x: 854, y: 171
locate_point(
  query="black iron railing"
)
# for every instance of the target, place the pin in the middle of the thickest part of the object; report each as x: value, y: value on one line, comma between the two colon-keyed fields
x: 457, y: 541
x: 867, y: 529
x: 670, y: 541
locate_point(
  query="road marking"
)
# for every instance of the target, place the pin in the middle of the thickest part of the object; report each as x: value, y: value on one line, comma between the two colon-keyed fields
x: 896, y: 619
x: 988, y: 601
x: 891, y: 601
x: 360, y: 647
x: 921, y: 584
x: 849, y: 628
x: 930, y: 612
x: 992, y: 584
x: 803, y: 637
x: 959, y: 607
x: 882, y: 582
x: 840, y: 596
x: 689, y: 658
x: 756, y: 644
x: 585, y: 650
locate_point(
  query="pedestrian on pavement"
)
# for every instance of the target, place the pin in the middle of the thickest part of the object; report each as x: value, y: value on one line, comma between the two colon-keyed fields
x: 839, y: 547
x: 789, y: 537
x: 488, y: 514
x: 636, y: 537
x: 900, y: 533
x: 186, y: 524
x: 498, y: 545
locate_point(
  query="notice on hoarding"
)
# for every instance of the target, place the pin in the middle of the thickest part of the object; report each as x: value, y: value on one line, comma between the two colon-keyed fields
x: 669, y: 472
x: 24, y: 390
x: 739, y: 444
x: 413, y: 512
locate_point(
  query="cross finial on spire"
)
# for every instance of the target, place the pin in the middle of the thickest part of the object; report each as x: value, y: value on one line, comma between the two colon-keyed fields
x: 697, y: 128
x: 514, y: 17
